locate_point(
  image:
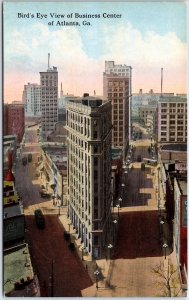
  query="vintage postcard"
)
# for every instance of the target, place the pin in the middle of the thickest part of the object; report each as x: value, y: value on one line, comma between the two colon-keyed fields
x: 95, y: 149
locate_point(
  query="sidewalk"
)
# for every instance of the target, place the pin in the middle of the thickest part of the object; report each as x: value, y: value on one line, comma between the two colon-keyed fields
x: 90, y: 265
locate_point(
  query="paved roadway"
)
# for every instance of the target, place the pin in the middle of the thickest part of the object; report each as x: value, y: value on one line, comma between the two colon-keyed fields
x: 49, y: 251
x: 138, y: 247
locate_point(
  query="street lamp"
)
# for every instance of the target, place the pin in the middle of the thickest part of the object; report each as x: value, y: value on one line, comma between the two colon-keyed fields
x: 118, y: 207
x: 53, y: 186
x: 123, y: 186
x: 165, y: 247
x: 109, y: 250
x: 114, y: 230
x: 161, y: 228
x: 69, y: 227
x: 120, y: 201
x: 96, y: 275
x: 82, y: 252
x: 59, y: 205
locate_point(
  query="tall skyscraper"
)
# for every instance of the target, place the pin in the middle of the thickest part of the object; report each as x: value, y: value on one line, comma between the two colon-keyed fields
x: 49, y: 99
x: 32, y: 100
x: 89, y: 171
x: 117, y: 89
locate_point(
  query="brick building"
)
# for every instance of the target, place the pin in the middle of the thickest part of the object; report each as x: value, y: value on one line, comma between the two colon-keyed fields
x: 14, y: 120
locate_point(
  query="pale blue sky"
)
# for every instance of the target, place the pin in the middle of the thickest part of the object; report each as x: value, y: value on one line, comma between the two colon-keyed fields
x: 133, y: 39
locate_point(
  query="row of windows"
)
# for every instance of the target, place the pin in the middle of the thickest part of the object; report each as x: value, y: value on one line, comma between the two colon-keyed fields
x: 173, y: 134
x: 179, y: 122
x: 173, y: 104
x: 173, y: 116
x: 118, y: 84
x: 173, y: 140
x: 176, y: 128
x: 48, y: 76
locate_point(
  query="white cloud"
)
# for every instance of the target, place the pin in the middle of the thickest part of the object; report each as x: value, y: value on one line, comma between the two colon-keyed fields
x: 26, y: 53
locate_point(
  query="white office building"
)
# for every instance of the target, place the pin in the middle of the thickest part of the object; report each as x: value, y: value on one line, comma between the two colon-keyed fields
x: 32, y: 100
x: 89, y: 172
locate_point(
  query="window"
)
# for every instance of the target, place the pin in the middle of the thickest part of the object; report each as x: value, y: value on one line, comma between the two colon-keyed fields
x: 95, y: 149
x: 95, y: 174
x: 95, y: 161
x: 96, y: 213
x: 96, y: 240
x: 95, y: 134
x: 96, y: 200
x: 180, y: 133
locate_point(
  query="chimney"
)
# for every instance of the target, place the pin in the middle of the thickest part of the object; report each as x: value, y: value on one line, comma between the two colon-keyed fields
x: 161, y: 81
x: 85, y: 95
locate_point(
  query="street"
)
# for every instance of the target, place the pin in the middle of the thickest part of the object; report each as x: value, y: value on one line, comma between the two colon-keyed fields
x: 60, y: 270
x: 138, y: 248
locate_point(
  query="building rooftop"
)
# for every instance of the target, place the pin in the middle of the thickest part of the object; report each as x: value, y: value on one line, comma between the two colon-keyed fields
x: 54, y: 146
x: 148, y: 107
x: 110, y: 64
x: 87, y: 104
x: 17, y: 266
x: 12, y: 211
x: 174, y: 99
x: 8, y: 138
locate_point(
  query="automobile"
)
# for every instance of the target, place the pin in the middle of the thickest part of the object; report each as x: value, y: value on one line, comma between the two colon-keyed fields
x: 39, y: 218
x: 139, y: 159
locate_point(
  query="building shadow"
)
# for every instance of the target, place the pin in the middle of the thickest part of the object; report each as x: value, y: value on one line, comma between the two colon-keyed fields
x: 52, y: 256
x: 139, y: 236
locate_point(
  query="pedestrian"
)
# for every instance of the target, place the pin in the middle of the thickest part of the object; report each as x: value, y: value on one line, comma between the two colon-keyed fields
x: 86, y: 267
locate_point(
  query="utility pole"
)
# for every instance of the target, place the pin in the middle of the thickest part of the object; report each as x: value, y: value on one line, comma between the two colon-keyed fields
x: 161, y: 80
x: 52, y: 278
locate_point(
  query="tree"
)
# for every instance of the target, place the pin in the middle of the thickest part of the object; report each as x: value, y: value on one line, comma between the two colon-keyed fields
x: 169, y: 282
